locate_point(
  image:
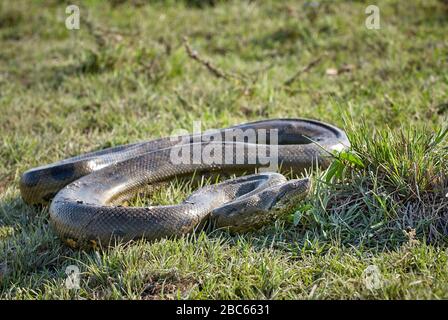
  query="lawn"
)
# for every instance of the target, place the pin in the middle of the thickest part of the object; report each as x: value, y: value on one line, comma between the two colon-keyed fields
x: 129, y: 73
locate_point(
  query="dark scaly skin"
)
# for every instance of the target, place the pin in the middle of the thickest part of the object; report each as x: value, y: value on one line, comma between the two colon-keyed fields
x: 90, y: 187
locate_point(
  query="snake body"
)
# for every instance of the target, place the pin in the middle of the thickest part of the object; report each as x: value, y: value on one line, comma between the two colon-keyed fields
x: 87, y: 190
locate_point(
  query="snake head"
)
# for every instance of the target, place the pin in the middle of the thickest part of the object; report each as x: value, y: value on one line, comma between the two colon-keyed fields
x: 289, y: 194
x: 252, y: 212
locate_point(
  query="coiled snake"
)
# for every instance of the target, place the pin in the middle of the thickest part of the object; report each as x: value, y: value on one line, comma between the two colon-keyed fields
x: 88, y: 189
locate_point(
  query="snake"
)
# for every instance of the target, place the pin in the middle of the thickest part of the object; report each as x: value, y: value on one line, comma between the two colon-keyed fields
x: 88, y: 192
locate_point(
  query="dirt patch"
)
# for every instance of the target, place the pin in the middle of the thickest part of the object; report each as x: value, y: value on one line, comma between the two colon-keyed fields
x: 168, y: 286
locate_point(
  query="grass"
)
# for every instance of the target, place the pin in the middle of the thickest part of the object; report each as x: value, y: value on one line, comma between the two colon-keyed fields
x: 126, y: 76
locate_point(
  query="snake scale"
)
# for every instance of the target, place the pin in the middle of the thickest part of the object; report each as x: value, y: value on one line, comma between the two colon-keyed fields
x: 87, y: 190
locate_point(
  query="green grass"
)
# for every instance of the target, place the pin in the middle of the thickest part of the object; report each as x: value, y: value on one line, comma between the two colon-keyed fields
x: 126, y: 76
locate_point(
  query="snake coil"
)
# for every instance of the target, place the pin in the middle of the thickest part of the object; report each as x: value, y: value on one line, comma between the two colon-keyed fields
x: 87, y: 190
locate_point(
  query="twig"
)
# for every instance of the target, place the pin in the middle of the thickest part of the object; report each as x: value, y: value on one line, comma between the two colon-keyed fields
x: 207, y: 64
x: 305, y: 69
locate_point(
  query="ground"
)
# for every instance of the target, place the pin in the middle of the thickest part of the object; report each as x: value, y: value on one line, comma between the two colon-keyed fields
x: 380, y: 212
